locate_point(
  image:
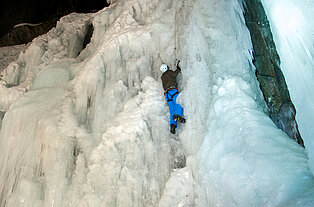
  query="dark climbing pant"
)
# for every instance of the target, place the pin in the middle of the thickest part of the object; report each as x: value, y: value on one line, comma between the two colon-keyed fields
x: 174, y: 108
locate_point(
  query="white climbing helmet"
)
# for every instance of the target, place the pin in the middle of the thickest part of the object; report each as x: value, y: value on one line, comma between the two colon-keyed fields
x: 164, y: 68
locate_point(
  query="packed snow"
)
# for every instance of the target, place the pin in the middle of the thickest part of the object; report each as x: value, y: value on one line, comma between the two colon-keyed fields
x: 90, y: 126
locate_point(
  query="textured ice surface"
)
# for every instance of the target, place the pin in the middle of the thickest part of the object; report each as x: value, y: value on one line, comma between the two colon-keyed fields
x: 91, y: 127
x: 293, y: 34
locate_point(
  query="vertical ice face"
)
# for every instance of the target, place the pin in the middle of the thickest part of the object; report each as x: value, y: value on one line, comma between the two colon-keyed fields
x: 90, y: 127
x: 36, y: 156
x: 238, y: 156
x: 292, y: 27
x: 122, y: 104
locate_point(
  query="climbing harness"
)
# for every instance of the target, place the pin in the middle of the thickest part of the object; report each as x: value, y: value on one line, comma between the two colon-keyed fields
x: 167, y: 94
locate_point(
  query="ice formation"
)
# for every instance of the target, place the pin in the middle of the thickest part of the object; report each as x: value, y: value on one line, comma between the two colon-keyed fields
x: 89, y: 126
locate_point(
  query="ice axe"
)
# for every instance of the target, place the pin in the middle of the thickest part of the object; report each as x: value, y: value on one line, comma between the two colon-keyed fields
x: 177, y: 65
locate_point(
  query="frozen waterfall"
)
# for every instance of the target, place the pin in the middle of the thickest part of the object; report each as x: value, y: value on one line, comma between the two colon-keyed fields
x: 89, y: 126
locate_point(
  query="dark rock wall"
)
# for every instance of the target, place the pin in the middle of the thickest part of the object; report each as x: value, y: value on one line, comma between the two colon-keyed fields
x: 1, y: 117
x: 268, y: 72
x: 47, y: 13
x: 24, y: 34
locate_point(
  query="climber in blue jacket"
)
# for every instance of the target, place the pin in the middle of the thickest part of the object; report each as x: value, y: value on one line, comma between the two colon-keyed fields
x: 170, y: 86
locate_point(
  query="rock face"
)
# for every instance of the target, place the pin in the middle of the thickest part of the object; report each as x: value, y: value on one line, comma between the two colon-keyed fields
x: 26, y: 33
x: 1, y: 117
x: 268, y: 72
x: 43, y: 14
x: 10, y: 54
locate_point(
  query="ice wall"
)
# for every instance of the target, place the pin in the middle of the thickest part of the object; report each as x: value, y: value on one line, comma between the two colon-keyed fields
x: 97, y: 122
x: 292, y: 27
x: 237, y: 155
x: 90, y: 127
x: 36, y: 153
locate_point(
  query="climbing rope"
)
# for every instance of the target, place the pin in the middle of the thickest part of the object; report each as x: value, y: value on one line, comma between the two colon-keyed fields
x: 175, y: 37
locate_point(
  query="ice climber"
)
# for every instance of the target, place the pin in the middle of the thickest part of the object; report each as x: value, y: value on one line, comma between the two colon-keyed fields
x: 170, y: 86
